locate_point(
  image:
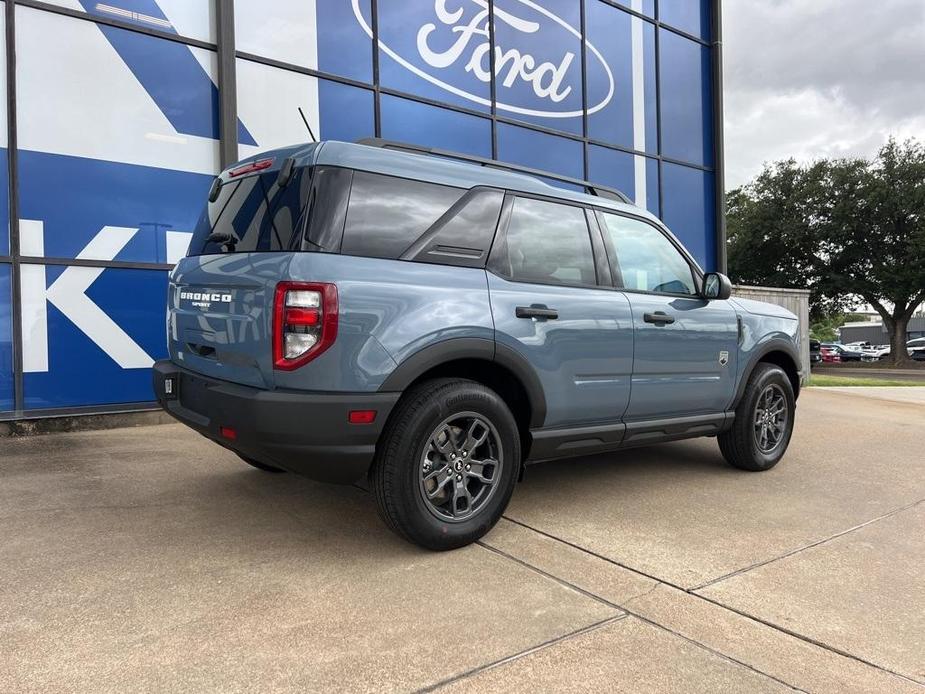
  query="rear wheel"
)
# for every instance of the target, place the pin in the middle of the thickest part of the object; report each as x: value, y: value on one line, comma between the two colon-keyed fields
x: 260, y: 466
x: 446, y: 464
x: 763, y: 422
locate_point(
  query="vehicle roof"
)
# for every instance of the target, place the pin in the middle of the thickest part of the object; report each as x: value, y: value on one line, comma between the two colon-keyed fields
x: 432, y: 168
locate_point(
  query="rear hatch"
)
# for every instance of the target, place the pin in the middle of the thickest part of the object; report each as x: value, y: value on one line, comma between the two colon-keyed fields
x: 220, y: 303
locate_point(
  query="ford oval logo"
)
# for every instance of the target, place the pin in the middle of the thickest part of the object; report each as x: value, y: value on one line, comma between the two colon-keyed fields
x: 549, y: 78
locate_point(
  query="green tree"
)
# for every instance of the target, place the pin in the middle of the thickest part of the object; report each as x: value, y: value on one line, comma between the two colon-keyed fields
x: 849, y: 230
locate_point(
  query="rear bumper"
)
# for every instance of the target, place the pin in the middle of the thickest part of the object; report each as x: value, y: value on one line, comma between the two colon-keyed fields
x: 305, y: 433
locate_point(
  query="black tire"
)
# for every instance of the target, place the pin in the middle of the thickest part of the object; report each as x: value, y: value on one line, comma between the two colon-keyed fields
x: 260, y: 466
x: 403, y: 468
x: 742, y: 444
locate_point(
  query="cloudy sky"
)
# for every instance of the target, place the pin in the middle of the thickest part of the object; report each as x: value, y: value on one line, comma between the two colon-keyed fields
x: 820, y: 78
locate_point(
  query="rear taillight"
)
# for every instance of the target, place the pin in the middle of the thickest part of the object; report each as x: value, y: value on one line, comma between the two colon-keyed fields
x: 304, y: 322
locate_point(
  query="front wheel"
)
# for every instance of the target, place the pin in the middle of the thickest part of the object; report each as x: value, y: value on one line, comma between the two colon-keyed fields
x: 447, y: 463
x: 763, y: 422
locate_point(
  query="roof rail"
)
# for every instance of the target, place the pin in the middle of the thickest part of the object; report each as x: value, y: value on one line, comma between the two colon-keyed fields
x: 589, y: 188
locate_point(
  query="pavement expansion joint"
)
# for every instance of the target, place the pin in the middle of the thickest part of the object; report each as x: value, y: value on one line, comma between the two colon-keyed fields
x: 524, y: 653
x: 691, y: 592
x: 628, y: 613
x: 835, y: 536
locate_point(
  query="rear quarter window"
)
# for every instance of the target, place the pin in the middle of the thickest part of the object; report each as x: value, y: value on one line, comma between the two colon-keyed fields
x: 386, y: 215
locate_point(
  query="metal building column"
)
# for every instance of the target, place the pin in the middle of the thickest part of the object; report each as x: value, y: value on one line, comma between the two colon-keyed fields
x: 12, y: 162
x: 719, y: 150
x: 227, y: 82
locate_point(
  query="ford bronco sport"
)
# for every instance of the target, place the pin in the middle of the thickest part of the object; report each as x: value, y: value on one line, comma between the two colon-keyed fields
x: 360, y: 310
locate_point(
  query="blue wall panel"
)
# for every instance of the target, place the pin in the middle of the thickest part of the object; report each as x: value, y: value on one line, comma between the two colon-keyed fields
x: 439, y: 72
x: 90, y: 194
x: 691, y: 16
x: 432, y: 126
x: 79, y: 371
x: 6, y: 340
x: 347, y: 113
x: 4, y: 203
x: 689, y: 210
x: 687, y: 99
x: 547, y: 87
x: 610, y: 30
x: 344, y: 48
x: 618, y: 170
x: 540, y: 151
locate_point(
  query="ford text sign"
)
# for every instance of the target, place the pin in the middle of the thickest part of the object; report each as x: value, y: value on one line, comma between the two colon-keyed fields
x: 537, y: 56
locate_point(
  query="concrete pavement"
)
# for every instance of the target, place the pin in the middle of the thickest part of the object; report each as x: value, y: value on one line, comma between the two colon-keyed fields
x: 150, y: 560
x: 912, y: 394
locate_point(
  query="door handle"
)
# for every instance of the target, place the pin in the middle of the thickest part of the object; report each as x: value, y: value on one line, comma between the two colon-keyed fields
x: 537, y: 311
x: 658, y: 318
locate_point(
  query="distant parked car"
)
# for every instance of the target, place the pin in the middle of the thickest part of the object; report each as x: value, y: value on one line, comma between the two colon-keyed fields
x: 883, y: 351
x: 815, y: 356
x: 829, y: 354
x: 846, y: 353
x: 875, y: 353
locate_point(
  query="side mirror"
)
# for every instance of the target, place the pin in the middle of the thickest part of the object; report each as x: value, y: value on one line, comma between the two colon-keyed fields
x: 716, y: 286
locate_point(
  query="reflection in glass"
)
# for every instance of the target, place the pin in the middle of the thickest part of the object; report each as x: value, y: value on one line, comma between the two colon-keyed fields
x: 547, y: 243
x: 646, y: 259
x: 386, y: 214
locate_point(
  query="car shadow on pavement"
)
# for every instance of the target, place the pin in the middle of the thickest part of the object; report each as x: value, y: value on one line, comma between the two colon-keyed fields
x: 318, y: 511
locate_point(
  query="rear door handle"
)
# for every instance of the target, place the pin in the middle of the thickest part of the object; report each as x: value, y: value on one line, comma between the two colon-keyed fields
x: 538, y: 311
x: 659, y: 318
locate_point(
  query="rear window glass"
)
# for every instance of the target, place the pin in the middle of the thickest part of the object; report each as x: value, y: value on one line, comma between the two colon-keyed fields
x: 256, y: 214
x: 387, y: 214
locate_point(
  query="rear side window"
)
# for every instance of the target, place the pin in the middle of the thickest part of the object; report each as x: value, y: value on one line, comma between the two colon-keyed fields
x: 386, y: 215
x: 327, y: 209
x: 463, y: 235
x: 545, y: 243
x: 256, y: 214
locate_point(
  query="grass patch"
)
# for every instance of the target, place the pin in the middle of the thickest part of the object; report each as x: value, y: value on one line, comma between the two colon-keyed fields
x: 826, y: 380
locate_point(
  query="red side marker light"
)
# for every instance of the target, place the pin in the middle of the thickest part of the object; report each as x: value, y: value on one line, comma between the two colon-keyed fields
x: 362, y: 416
x: 229, y: 433
x: 253, y: 166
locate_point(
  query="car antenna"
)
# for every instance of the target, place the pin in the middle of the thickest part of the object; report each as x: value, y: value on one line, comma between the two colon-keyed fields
x: 305, y: 120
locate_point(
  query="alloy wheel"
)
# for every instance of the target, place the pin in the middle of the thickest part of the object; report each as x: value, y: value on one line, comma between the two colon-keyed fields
x: 770, y: 418
x: 460, y: 467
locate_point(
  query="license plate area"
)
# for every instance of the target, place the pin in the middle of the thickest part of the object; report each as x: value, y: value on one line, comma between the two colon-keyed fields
x: 171, y: 387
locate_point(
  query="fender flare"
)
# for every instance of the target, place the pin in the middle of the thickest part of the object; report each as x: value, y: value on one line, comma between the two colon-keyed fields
x: 759, y: 353
x: 478, y: 348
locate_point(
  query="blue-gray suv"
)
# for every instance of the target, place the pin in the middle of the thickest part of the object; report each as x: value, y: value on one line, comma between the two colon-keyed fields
x: 362, y: 311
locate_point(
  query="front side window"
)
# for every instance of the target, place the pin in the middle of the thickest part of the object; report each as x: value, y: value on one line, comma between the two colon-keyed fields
x: 546, y: 243
x: 645, y: 258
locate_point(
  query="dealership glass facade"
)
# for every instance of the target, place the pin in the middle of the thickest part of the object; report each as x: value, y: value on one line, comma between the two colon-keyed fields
x: 117, y: 132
